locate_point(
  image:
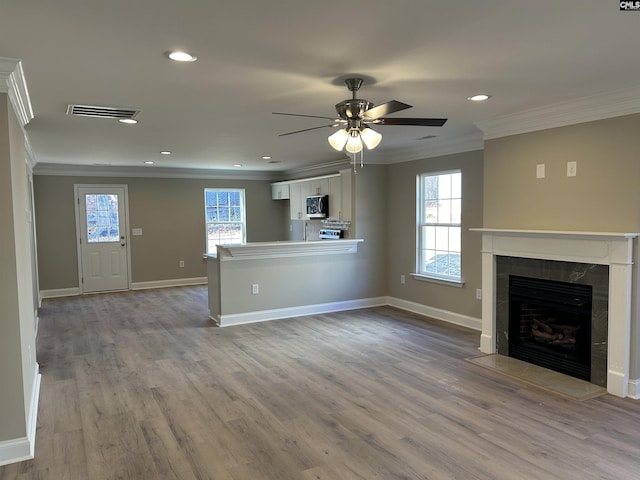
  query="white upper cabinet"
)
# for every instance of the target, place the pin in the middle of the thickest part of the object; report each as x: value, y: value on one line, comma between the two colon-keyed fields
x: 298, y: 193
x: 335, y: 198
x: 279, y: 191
x: 338, y: 187
x: 319, y: 186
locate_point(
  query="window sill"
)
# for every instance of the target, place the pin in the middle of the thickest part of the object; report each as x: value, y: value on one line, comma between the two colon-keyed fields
x: 440, y: 281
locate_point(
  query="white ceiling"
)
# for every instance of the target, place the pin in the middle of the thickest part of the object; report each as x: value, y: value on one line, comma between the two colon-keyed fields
x: 256, y: 57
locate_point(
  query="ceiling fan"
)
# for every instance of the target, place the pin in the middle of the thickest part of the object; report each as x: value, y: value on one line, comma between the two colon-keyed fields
x: 356, y: 116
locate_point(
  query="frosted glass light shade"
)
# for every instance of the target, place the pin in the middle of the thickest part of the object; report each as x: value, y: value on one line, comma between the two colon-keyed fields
x: 354, y: 144
x: 371, y: 138
x: 338, y: 139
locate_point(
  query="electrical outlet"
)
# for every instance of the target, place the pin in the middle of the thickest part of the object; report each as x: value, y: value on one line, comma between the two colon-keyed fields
x: 255, y: 289
x: 181, y: 263
x: 402, y: 279
x: 478, y: 294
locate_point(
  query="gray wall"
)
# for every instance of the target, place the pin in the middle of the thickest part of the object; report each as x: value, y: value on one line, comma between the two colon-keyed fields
x: 604, y: 196
x: 17, y: 320
x: 401, y: 233
x: 170, y: 213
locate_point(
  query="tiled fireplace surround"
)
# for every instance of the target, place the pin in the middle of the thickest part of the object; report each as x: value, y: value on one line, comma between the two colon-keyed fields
x: 573, y: 257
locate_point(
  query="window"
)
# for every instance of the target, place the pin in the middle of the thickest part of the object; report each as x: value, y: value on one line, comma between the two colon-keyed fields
x: 103, y: 224
x: 439, y: 219
x: 224, y: 216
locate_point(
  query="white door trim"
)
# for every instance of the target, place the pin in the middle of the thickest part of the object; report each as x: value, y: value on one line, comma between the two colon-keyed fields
x: 76, y: 198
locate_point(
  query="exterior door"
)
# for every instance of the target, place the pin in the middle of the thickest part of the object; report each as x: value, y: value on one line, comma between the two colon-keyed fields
x: 103, y: 244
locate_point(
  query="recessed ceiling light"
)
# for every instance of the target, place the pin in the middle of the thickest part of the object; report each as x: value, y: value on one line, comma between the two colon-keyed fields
x: 149, y: 162
x: 481, y: 97
x: 237, y: 165
x: 181, y: 57
x: 165, y: 152
x: 129, y: 121
x: 266, y: 157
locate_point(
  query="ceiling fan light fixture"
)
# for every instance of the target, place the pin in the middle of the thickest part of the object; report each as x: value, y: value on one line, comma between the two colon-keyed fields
x: 354, y: 143
x: 338, y: 139
x: 371, y: 138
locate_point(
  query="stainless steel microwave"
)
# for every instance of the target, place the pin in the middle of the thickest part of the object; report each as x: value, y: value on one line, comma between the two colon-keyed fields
x: 318, y: 206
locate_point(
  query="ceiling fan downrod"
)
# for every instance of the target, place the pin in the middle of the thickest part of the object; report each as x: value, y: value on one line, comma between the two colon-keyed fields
x: 354, y: 84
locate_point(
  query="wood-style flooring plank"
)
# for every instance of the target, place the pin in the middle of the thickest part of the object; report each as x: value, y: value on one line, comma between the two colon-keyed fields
x: 142, y: 385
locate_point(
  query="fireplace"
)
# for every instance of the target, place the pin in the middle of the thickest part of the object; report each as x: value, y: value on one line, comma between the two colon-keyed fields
x: 567, y: 257
x: 550, y: 324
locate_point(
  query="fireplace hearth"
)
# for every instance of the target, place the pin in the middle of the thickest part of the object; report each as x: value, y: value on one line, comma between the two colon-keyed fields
x: 550, y: 324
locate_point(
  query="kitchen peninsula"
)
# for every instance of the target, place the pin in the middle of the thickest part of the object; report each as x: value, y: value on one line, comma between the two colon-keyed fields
x: 262, y: 281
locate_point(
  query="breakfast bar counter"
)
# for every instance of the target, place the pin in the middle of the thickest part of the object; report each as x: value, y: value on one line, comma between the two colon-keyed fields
x: 261, y: 281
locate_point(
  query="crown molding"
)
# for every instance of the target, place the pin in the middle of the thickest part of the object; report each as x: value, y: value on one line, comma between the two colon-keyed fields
x: 317, y: 169
x: 585, y: 109
x: 437, y: 147
x: 12, y: 81
x: 29, y: 155
x: 58, y: 169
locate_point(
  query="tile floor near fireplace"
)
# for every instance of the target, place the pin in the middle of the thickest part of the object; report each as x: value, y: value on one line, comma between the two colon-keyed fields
x: 546, y: 379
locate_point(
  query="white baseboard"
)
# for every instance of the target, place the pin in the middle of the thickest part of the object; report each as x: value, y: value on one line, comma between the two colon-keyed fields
x: 23, y: 448
x: 634, y: 389
x: 281, y: 313
x: 177, y: 282
x: 60, y: 292
x: 16, y: 450
x: 436, y: 313
x: 289, y: 312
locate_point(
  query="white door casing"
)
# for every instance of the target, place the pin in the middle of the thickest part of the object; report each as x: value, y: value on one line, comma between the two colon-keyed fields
x: 102, y: 232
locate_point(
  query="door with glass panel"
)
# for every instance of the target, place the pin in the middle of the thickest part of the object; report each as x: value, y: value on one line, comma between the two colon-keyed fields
x: 103, y: 241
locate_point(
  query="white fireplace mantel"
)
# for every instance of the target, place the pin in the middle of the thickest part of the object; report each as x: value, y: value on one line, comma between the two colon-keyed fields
x: 612, y: 249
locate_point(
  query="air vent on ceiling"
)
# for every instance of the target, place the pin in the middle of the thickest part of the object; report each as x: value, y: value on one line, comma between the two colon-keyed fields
x: 102, y: 112
x: 427, y: 137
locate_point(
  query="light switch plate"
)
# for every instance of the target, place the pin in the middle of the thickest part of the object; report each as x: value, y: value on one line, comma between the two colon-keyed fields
x: 572, y: 169
x: 540, y: 170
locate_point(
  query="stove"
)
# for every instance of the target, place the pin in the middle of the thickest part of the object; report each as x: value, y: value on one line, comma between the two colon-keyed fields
x: 330, y: 234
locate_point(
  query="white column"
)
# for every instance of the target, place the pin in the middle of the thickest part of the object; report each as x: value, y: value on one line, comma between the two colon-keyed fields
x: 619, y: 332
x: 488, y: 336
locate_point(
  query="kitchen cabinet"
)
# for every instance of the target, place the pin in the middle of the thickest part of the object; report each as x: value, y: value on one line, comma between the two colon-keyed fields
x: 279, y: 191
x: 340, y: 205
x: 346, y: 200
x: 298, y: 193
x: 319, y: 186
x: 335, y: 198
x: 332, y: 185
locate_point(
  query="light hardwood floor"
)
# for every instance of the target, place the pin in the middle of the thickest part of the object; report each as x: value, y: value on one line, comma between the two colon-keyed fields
x: 141, y: 385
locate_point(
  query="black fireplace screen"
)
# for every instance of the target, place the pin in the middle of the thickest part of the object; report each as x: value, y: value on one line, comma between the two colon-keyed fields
x: 550, y: 324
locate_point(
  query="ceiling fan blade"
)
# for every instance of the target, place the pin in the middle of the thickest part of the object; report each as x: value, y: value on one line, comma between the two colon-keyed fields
x: 307, y: 129
x: 385, y: 109
x: 420, y: 122
x: 300, y: 115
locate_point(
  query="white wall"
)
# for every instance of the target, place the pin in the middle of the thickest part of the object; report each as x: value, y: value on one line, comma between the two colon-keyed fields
x: 19, y: 377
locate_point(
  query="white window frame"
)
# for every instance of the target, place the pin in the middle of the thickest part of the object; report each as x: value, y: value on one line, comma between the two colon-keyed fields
x: 243, y: 213
x: 421, y: 242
